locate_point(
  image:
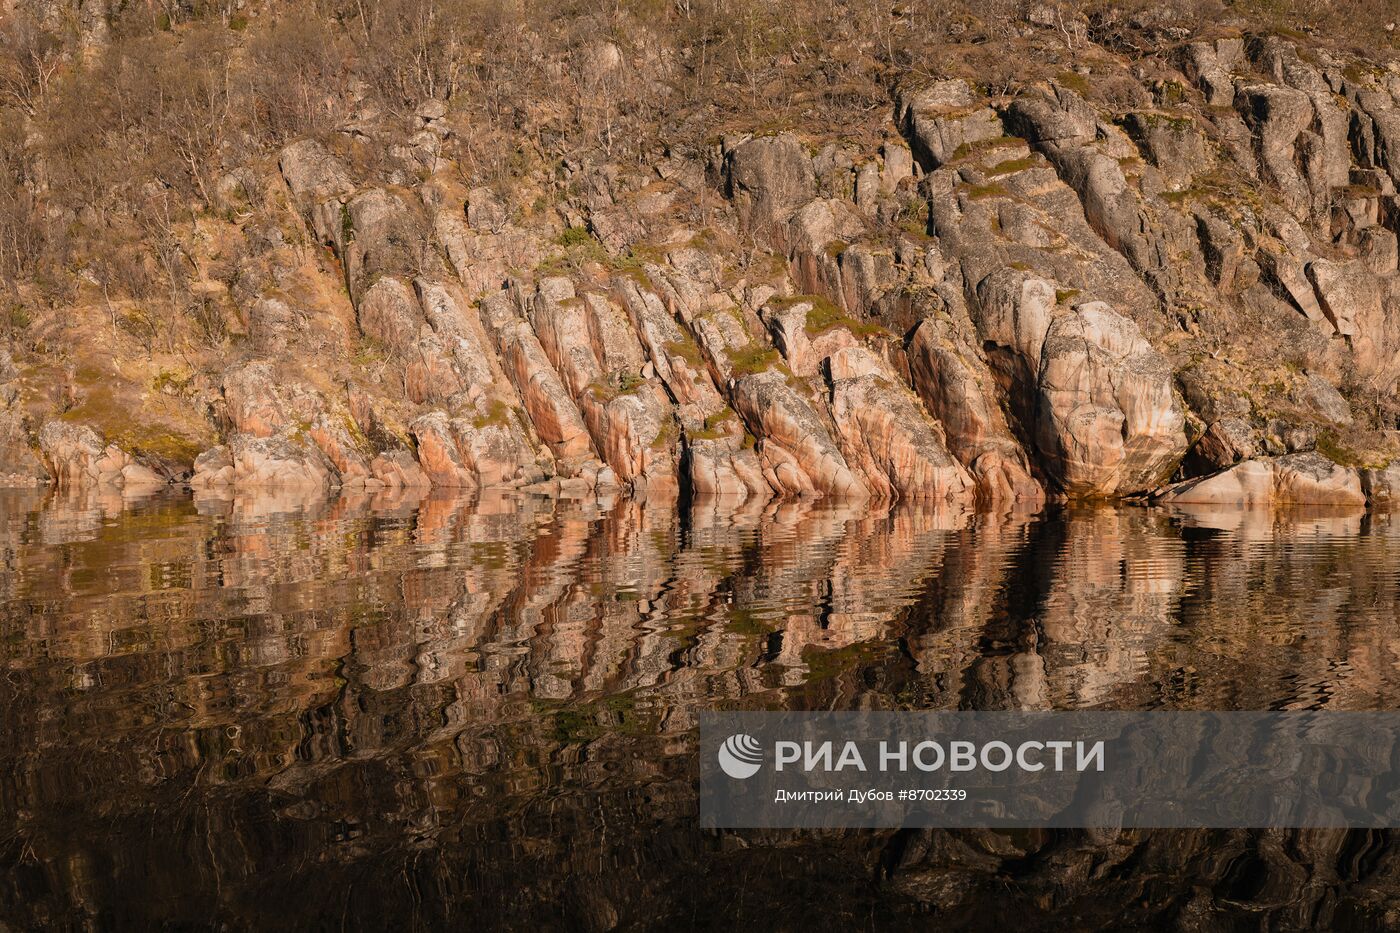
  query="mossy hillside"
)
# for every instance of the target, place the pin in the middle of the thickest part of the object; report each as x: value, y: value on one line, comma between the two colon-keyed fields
x: 155, y: 425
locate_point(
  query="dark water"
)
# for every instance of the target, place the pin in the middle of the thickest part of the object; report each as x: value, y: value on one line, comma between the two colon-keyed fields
x: 380, y: 714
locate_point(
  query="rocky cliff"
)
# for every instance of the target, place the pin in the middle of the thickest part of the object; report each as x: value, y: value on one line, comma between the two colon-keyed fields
x: 1168, y: 271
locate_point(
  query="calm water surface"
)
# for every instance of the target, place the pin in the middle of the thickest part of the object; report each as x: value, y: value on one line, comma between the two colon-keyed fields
x: 445, y: 713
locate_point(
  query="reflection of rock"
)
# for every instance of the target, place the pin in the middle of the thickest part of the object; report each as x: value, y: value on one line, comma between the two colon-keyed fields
x: 378, y: 637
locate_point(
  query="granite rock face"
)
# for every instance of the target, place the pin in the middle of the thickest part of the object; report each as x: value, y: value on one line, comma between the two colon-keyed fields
x: 1187, y: 287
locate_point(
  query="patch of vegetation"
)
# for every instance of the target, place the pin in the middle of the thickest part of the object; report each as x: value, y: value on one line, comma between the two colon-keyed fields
x: 1339, y: 452
x: 982, y: 192
x: 667, y: 433
x: 823, y: 316
x: 755, y: 358
x: 1075, y: 81
x: 574, y: 236
x: 1172, y: 92
x: 1065, y: 295
x: 967, y: 150
x: 497, y: 414
x: 714, y: 426
x: 1359, y: 73
x: 913, y: 218
x: 129, y: 429
x: 1012, y: 166
x: 687, y: 350
x: 1358, y: 192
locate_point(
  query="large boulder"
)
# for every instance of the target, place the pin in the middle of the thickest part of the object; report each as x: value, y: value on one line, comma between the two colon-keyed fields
x: 473, y: 452
x: 255, y: 401
x: 249, y: 462
x: 312, y: 172
x: 1382, y: 486
x: 1109, y: 422
x: 1210, y: 65
x: 438, y: 455
x: 398, y: 469
x: 768, y: 177
x: 1174, y: 144
x: 1296, y: 479
x: 389, y: 314
x: 381, y: 232
x: 942, y: 119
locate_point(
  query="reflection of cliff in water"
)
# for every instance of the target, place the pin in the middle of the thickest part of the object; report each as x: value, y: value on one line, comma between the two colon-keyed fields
x: 457, y: 713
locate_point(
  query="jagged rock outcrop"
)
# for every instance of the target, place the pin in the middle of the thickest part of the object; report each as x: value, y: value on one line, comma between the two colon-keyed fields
x: 718, y: 458
x: 798, y: 454
x: 547, y: 403
x: 468, y: 453
x: 628, y: 416
x: 955, y: 383
x: 886, y: 433
x: 801, y: 334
